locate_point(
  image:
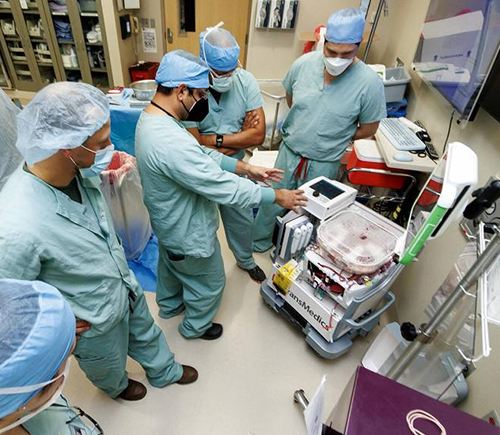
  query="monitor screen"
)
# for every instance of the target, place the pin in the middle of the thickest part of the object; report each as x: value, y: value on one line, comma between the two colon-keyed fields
x: 457, y: 49
x: 327, y: 189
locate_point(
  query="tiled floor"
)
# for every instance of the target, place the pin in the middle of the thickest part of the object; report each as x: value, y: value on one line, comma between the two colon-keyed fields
x: 247, y: 377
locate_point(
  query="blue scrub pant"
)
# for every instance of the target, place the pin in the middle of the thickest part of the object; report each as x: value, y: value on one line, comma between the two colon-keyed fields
x: 191, y: 284
x: 103, y: 358
x: 288, y: 161
x: 238, y: 225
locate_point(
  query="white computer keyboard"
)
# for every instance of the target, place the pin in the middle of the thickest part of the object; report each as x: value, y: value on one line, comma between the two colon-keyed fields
x: 400, y: 135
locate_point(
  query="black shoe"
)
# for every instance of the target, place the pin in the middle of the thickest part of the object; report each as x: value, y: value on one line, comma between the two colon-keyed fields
x: 257, y: 274
x: 213, y: 333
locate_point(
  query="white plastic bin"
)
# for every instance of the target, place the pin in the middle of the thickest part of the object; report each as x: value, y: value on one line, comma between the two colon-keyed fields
x: 396, y: 80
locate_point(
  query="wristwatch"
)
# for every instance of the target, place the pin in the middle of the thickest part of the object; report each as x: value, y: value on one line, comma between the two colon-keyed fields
x: 218, y: 140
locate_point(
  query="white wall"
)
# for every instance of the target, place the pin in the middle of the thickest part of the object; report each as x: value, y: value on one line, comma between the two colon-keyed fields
x: 152, y: 9
x: 271, y: 54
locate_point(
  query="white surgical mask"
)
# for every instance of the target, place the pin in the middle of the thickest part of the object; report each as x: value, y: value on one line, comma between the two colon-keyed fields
x: 102, y: 160
x: 222, y: 84
x: 336, y: 65
x: 31, y: 388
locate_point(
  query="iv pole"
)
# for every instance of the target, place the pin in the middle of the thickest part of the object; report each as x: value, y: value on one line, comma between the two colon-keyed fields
x: 382, y: 4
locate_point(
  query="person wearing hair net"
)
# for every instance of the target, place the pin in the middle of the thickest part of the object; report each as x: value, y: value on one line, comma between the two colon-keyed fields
x: 10, y: 158
x: 235, y: 122
x: 37, y: 336
x: 183, y: 183
x: 334, y: 98
x: 57, y: 228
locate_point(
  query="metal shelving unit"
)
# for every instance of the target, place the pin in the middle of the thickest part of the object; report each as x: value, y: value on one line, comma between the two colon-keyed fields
x: 37, y: 49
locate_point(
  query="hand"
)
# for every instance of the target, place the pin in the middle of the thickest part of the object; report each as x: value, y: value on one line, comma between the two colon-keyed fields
x: 251, y: 120
x: 81, y: 327
x: 266, y: 175
x: 290, y: 199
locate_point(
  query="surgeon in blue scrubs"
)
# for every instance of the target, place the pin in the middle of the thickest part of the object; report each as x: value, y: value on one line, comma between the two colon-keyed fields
x: 334, y: 98
x: 184, y: 183
x: 56, y: 227
x: 234, y: 123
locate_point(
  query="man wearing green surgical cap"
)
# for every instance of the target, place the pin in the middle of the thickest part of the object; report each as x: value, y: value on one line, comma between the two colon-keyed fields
x: 184, y: 183
x: 334, y: 98
x: 235, y: 122
x: 56, y: 227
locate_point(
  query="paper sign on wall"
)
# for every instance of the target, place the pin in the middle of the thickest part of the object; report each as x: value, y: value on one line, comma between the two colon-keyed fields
x: 290, y: 13
x: 149, y: 40
x: 276, y: 14
x: 314, y: 411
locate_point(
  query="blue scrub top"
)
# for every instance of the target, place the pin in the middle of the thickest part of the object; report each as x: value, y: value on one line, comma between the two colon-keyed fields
x: 227, y: 116
x: 183, y: 182
x: 323, y: 120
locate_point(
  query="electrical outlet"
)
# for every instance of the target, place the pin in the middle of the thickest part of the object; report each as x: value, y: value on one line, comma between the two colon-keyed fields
x: 492, y: 418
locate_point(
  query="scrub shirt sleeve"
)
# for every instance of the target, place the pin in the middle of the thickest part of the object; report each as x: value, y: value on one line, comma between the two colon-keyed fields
x: 373, y: 107
x: 290, y: 77
x: 226, y: 163
x: 254, y: 97
x: 194, y: 171
x: 19, y: 258
x: 190, y: 124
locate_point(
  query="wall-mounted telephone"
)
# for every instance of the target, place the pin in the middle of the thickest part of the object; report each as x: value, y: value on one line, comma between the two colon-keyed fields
x: 134, y: 21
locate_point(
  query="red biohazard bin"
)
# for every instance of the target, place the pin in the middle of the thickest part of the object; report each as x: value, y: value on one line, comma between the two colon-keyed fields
x: 143, y: 71
x: 365, y: 155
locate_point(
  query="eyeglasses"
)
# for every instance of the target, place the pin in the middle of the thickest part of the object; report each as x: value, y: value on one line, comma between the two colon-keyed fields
x: 223, y: 76
x: 79, y: 413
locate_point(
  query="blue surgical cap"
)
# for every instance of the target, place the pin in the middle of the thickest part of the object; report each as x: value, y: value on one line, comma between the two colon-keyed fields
x: 11, y: 158
x: 346, y: 26
x: 180, y: 67
x: 219, y: 49
x: 60, y: 116
x: 37, y: 331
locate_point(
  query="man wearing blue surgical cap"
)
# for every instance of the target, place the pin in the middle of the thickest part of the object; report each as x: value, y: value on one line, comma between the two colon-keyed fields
x: 235, y: 122
x: 184, y: 182
x: 37, y: 336
x: 334, y: 98
x: 56, y: 227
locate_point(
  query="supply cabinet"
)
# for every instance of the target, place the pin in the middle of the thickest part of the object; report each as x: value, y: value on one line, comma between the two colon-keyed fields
x: 44, y: 41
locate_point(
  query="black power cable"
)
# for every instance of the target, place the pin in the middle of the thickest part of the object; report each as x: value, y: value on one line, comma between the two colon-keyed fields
x: 445, y: 145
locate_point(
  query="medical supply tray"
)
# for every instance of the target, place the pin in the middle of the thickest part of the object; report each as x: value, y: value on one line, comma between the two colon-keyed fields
x: 359, y: 240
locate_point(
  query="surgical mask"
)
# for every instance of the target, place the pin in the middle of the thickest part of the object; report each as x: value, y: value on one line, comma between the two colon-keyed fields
x: 336, y: 65
x: 31, y: 388
x: 222, y: 84
x: 199, y: 110
x: 102, y: 160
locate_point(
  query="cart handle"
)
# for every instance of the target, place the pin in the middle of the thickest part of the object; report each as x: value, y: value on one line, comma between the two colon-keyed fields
x: 358, y: 325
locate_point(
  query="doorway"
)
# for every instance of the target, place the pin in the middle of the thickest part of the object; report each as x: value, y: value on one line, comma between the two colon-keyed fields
x: 185, y: 19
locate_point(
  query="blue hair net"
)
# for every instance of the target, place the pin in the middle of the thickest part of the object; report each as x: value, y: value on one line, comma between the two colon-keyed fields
x: 180, y: 67
x: 60, y: 116
x: 37, y: 331
x: 346, y: 26
x: 219, y: 49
